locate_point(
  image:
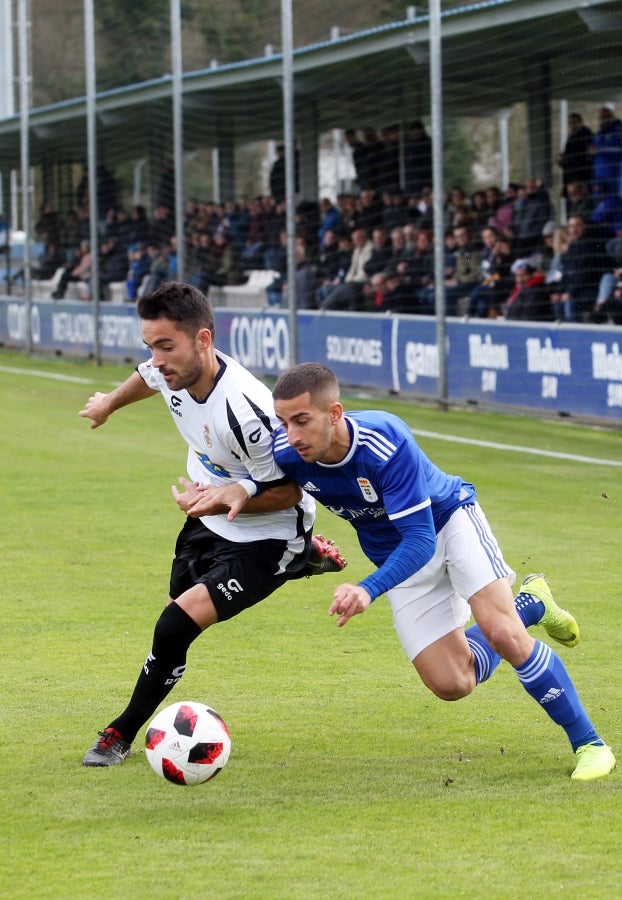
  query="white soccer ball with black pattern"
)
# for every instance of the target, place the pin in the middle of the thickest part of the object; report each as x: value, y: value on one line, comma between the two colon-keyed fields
x: 187, y: 743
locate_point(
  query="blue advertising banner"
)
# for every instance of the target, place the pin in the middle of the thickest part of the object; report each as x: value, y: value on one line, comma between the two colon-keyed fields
x: 569, y: 369
x: 69, y: 327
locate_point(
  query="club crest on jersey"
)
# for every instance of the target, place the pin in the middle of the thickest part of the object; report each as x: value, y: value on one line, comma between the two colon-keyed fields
x: 206, y: 436
x: 212, y: 467
x: 367, y: 490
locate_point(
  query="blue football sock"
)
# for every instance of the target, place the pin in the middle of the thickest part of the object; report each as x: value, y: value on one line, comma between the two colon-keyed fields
x: 544, y: 677
x: 529, y: 608
x: 486, y: 659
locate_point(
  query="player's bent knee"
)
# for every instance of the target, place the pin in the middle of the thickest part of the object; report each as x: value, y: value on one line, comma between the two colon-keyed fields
x: 448, y: 686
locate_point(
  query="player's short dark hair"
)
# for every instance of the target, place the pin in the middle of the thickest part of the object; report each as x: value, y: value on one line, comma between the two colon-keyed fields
x: 180, y: 303
x: 312, y: 377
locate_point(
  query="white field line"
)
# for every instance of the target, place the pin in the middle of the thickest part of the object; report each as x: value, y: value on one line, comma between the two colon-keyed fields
x: 492, y: 445
x: 533, y: 451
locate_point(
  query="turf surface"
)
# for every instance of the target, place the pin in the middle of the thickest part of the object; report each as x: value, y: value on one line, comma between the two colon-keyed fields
x: 347, y: 779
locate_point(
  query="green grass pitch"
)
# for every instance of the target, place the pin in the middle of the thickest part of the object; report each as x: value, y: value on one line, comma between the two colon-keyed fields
x: 347, y: 779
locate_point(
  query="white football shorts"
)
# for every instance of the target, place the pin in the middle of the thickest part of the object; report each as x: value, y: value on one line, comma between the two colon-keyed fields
x: 433, y: 602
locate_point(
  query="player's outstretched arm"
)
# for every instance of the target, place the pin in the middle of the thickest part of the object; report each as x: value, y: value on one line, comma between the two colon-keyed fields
x: 350, y: 600
x: 99, y: 407
x: 206, y: 500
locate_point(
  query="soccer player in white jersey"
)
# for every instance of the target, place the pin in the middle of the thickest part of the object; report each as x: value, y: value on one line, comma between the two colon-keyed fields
x: 435, y: 553
x: 222, y: 564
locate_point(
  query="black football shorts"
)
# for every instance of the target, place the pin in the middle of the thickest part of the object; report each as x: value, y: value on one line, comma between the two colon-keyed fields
x: 237, y: 575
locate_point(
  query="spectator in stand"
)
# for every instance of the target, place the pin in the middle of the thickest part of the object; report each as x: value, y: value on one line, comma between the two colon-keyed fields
x: 326, y: 262
x: 48, y: 227
x: 158, y: 269
x: 542, y: 256
x: 162, y: 226
x: 495, y: 283
x: 306, y: 276
x: 108, y: 191
x: 51, y: 259
x: 394, y: 211
x: 110, y: 227
x: 236, y: 220
x: 139, y: 263
x: 277, y: 174
x: 332, y: 269
x: 582, y: 267
x: 398, y: 296
x: 466, y: 274
x: 306, y: 280
x: 458, y: 210
x: 579, y: 201
x: 503, y: 218
x: 199, y: 258
x: 609, y: 297
x: 83, y: 224
x: 410, y: 231
x: 369, y: 175
x: 349, y: 294
x: 252, y: 255
x: 275, y: 258
x: 78, y: 270
x: 575, y: 160
x: 400, y: 255
x: 614, y: 306
x: 72, y: 236
x: 529, y: 300
x: 346, y: 203
x: 479, y: 211
x: 418, y: 160
x: 606, y: 152
x: 425, y: 208
x: 418, y: 268
x: 125, y: 228
x: 331, y: 220
x: 555, y: 272
x: 139, y: 230
x: 112, y: 264
x: 494, y: 198
x: 368, y: 211
x: 223, y: 265
x: 388, y: 181
x: 381, y: 252
x: 357, y: 147
x: 376, y: 291
x: 533, y: 213
x: 606, y: 218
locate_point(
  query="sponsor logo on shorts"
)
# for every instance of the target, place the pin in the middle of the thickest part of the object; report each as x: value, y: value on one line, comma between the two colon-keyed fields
x: 233, y: 586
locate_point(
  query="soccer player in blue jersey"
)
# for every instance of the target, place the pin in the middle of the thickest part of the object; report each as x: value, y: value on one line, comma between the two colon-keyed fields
x: 436, y: 556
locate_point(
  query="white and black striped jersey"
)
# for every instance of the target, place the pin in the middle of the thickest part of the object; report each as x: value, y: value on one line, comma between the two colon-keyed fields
x: 229, y: 438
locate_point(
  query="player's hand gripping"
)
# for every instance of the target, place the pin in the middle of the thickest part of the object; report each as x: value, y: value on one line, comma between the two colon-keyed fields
x: 205, y: 500
x: 350, y: 600
x: 96, y: 409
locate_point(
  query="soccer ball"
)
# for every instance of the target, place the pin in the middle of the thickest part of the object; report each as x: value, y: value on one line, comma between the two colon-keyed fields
x: 187, y: 743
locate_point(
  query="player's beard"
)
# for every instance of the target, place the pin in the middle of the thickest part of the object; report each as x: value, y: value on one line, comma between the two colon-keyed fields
x: 188, y: 377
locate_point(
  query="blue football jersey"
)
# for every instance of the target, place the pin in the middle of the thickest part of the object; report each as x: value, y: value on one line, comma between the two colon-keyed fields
x: 385, y: 486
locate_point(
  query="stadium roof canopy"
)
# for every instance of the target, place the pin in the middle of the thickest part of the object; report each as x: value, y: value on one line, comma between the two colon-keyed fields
x: 494, y: 54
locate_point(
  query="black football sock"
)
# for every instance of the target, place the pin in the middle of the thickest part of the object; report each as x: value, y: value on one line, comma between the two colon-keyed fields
x: 175, y: 630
